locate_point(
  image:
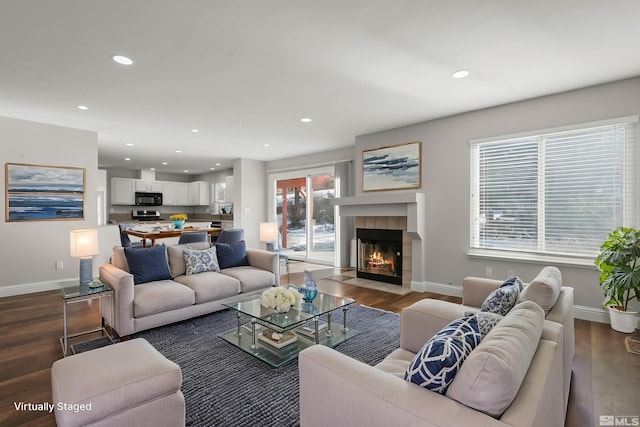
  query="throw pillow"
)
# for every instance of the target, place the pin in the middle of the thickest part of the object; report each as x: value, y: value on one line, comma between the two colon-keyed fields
x: 501, y: 300
x: 234, y: 255
x: 200, y: 261
x: 544, y: 290
x: 148, y: 264
x: 435, y: 365
x: 492, y: 375
x: 514, y: 280
x: 486, y: 321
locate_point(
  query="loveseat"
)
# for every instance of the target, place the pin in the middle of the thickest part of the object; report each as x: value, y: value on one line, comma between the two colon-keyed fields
x: 161, y: 287
x: 518, y: 375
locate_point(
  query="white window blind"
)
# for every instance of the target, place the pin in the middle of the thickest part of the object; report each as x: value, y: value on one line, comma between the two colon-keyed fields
x: 558, y: 193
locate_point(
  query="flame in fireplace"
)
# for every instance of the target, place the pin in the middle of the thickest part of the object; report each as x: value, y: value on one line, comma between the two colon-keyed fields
x: 377, y: 261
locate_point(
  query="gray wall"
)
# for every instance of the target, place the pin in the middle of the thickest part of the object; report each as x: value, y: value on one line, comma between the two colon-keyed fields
x: 249, y: 198
x: 30, y: 249
x: 445, y: 178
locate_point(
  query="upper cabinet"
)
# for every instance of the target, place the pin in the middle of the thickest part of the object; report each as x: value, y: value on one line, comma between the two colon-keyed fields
x: 148, y: 186
x: 123, y: 191
x: 199, y: 193
x: 175, y: 193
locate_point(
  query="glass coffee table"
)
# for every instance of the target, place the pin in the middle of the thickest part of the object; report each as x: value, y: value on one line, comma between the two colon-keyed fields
x: 296, y: 329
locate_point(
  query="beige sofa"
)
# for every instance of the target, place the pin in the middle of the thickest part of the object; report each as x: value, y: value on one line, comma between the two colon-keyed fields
x: 338, y: 390
x: 149, y: 305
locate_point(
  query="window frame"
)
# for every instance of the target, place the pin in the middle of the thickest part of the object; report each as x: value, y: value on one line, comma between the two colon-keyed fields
x: 631, y: 191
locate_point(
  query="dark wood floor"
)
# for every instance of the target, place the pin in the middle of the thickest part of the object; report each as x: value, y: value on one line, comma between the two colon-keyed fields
x: 606, y: 378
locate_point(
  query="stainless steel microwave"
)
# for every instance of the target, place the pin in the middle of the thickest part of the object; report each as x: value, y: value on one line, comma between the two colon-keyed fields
x: 148, y: 199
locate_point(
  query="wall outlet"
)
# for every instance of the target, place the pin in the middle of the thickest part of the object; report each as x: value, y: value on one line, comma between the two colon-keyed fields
x: 59, y: 265
x: 488, y: 272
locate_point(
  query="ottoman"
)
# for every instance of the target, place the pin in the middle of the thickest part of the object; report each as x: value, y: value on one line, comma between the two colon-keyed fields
x: 125, y: 384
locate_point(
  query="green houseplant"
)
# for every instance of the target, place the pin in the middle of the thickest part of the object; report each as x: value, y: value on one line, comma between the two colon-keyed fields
x: 619, y: 265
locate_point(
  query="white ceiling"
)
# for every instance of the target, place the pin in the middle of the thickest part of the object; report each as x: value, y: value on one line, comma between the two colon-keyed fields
x: 245, y: 72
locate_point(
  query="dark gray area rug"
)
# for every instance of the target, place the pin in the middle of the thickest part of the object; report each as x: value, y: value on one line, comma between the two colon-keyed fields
x: 224, y: 386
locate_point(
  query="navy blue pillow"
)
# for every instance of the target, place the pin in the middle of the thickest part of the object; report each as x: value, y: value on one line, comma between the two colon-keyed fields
x: 148, y: 264
x: 232, y: 255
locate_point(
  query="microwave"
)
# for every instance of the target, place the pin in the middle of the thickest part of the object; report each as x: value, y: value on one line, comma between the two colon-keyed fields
x: 148, y: 199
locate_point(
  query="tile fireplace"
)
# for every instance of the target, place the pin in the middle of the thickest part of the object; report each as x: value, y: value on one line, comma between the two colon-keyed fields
x: 379, y: 255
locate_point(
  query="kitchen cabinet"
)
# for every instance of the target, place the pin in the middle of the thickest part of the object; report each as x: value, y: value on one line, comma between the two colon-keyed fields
x: 123, y: 191
x: 199, y: 193
x: 175, y: 193
x: 148, y: 186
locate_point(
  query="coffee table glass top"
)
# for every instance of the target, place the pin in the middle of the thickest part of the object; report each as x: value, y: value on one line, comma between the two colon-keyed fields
x: 322, y: 304
x: 73, y: 288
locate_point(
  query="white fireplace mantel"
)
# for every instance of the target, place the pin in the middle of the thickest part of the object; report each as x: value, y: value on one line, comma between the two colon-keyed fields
x: 411, y: 205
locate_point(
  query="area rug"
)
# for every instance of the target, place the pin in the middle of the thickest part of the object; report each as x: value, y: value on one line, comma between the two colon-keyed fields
x: 223, y: 386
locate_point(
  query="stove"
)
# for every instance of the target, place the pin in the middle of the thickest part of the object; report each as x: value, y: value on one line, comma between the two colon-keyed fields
x: 145, y: 215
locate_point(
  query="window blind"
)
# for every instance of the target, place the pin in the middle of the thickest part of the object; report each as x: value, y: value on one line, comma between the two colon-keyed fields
x: 558, y: 192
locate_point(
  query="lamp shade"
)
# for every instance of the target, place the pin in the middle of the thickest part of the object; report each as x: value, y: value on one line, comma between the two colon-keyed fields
x: 84, y: 243
x: 268, y: 232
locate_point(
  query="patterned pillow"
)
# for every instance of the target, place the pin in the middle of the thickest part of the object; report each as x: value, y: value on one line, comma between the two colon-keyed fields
x: 514, y: 280
x: 200, y: 261
x: 436, y: 364
x: 486, y: 321
x: 501, y: 300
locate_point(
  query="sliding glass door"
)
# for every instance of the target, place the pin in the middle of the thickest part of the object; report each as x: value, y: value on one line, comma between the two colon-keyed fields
x: 305, y: 215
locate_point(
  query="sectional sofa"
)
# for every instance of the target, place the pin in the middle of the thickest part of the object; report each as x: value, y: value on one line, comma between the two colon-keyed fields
x: 157, y: 286
x: 518, y: 375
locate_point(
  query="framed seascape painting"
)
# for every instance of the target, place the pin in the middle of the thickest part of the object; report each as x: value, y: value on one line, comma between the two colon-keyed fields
x: 394, y: 167
x: 43, y: 193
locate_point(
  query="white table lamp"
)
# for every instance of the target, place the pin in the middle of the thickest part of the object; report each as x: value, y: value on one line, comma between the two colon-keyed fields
x: 84, y: 244
x: 269, y: 234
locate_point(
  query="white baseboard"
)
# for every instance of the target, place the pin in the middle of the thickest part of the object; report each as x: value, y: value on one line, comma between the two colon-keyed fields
x: 29, y: 288
x: 582, y: 312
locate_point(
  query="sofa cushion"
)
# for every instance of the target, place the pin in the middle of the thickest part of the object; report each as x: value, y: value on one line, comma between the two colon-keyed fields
x: 157, y: 297
x: 435, y: 365
x: 148, y: 264
x: 234, y: 255
x: 396, y: 363
x: 502, y: 299
x: 118, y: 259
x: 175, y: 254
x: 210, y: 285
x: 491, y: 376
x: 251, y: 278
x: 200, y: 261
x: 544, y: 290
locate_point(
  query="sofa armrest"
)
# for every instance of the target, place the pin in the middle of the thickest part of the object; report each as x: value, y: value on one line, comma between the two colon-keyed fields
x: 265, y: 260
x: 423, y: 319
x: 338, y: 390
x: 122, y: 284
x: 476, y: 289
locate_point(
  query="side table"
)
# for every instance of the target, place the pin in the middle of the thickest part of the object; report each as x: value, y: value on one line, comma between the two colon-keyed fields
x: 72, y: 292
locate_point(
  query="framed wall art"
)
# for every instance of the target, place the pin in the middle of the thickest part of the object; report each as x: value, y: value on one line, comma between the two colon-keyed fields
x: 44, y: 193
x: 394, y: 167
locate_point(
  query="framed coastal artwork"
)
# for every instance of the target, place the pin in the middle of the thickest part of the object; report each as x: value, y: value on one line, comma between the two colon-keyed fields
x: 44, y: 193
x: 395, y: 167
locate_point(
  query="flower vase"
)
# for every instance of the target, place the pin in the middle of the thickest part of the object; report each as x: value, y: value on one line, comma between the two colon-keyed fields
x: 309, y: 288
x: 178, y: 223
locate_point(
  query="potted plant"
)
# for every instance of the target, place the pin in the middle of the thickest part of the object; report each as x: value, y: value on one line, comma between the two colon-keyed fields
x: 619, y: 265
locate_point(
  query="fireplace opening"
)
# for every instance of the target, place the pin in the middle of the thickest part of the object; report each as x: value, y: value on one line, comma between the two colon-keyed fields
x: 379, y: 254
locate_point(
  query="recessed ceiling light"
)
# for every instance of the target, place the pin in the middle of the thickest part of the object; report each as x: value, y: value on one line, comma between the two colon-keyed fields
x: 178, y: 151
x: 123, y: 60
x: 212, y: 169
x: 186, y: 171
x: 82, y: 107
x: 217, y: 164
x: 305, y: 120
x: 152, y: 169
x: 165, y: 163
x: 129, y: 144
x: 127, y: 158
x: 195, y: 130
x: 266, y: 145
x: 460, y: 74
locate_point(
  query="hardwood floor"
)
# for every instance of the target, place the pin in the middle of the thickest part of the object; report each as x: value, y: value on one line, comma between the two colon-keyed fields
x: 606, y: 378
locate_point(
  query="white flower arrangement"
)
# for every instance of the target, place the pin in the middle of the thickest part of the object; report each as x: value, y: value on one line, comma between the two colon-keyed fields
x: 281, y: 298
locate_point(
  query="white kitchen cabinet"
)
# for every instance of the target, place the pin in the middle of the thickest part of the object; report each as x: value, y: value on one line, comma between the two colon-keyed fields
x: 123, y: 191
x: 148, y: 186
x: 175, y: 193
x: 199, y: 193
